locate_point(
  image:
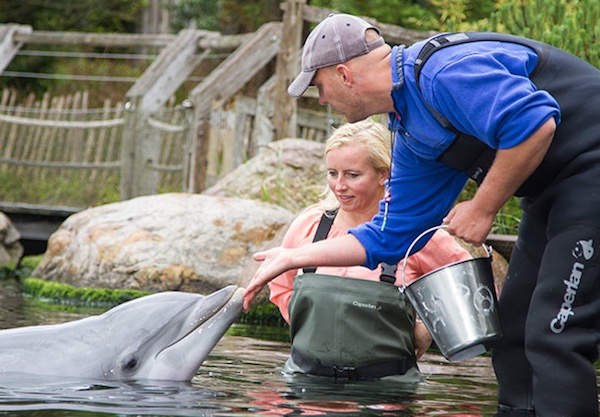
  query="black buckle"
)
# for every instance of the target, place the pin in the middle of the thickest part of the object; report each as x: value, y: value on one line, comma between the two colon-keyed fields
x: 388, y: 273
x: 346, y: 372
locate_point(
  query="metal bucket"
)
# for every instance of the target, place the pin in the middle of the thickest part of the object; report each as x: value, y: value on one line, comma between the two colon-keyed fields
x: 458, y: 304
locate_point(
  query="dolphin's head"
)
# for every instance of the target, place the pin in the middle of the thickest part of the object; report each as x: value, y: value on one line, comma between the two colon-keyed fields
x: 167, y: 335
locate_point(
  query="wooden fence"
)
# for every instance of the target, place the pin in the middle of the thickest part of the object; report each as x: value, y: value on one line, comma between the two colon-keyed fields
x: 45, y: 140
x: 49, y: 140
x: 147, y: 145
x: 53, y: 134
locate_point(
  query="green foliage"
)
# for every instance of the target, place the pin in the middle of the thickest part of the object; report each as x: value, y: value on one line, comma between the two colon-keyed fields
x: 23, y: 270
x: 68, y: 294
x: 69, y: 15
x: 263, y: 313
x: 407, y: 13
x: 571, y: 25
x: 29, y: 263
x: 68, y: 189
x: 226, y: 16
x: 426, y: 15
x: 195, y: 13
x: 257, y: 331
x: 461, y: 15
x: 507, y: 219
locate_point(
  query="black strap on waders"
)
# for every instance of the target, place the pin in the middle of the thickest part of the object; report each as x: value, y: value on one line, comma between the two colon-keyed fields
x: 388, y: 272
x: 466, y: 153
x: 322, y: 231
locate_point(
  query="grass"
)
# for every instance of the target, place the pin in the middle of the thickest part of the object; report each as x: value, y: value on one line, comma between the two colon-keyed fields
x: 508, y: 218
x: 66, y: 189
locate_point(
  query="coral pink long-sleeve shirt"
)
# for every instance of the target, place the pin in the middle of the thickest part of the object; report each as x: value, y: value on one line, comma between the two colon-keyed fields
x: 441, y: 250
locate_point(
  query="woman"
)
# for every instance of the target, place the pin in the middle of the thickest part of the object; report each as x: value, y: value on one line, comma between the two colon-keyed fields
x: 357, y: 157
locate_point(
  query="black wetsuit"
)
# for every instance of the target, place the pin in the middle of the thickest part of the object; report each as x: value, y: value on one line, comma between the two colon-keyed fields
x: 550, y: 304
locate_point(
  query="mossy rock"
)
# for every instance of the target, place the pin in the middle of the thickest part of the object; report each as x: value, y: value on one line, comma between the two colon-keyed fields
x: 59, y: 293
x: 67, y: 294
x: 261, y: 313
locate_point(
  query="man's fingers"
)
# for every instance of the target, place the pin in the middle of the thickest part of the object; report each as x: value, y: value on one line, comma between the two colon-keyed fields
x: 448, y: 217
x: 249, y: 295
x: 259, y: 256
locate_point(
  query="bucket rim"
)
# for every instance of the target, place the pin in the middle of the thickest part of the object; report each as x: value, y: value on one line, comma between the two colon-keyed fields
x: 432, y: 272
x: 488, y: 249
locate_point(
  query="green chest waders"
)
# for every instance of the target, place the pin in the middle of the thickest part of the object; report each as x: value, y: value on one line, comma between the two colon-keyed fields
x: 350, y: 328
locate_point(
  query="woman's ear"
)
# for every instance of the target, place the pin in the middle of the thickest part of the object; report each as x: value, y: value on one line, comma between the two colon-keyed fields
x: 384, y: 174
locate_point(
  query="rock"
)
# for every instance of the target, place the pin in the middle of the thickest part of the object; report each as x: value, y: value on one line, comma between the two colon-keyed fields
x: 287, y: 172
x: 11, y: 249
x: 161, y: 242
x: 251, y: 266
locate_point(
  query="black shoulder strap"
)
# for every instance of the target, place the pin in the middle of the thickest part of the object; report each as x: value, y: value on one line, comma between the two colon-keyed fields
x: 466, y: 153
x: 322, y: 231
x: 388, y: 272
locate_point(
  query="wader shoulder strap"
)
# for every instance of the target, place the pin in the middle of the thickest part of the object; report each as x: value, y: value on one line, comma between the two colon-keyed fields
x: 322, y: 231
x: 466, y: 153
x: 388, y: 272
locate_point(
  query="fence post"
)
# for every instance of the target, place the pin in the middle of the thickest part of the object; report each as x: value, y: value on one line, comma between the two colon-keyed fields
x: 286, y: 69
x: 8, y: 46
x: 221, y: 84
x: 128, y: 141
x: 141, y: 143
x: 263, y: 131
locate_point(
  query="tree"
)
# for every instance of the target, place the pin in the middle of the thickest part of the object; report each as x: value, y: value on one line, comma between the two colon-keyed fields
x: 69, y: 15
x: 571, y: 25
x: 225, y: 16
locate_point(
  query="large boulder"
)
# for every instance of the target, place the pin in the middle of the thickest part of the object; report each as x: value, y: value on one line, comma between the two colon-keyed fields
x: 11, y: 249
x: 175, y: 241
x: 287, y: 172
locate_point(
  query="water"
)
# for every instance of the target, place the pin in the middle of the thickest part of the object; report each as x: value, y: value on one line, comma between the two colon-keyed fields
x: 241, y: 377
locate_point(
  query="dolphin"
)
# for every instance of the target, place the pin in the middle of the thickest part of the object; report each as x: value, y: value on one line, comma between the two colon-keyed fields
x: 164, y: 336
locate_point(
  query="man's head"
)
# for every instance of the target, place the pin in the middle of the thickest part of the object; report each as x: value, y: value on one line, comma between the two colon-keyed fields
x: 337, y: 39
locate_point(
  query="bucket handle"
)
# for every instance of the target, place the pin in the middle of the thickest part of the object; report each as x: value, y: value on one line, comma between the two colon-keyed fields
x: 488, y: 250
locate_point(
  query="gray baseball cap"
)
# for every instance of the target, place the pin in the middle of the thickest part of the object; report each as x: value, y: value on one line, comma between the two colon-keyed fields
x: 337, y: 39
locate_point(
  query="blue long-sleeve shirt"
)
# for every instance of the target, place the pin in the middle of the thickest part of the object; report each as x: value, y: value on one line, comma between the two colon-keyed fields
x: 483, y: 89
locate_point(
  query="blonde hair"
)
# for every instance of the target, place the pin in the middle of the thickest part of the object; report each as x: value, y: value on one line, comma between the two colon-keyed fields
x: 373, y: 136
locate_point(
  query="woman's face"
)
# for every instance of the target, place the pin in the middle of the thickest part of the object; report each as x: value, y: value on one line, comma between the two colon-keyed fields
x: 357, y: 185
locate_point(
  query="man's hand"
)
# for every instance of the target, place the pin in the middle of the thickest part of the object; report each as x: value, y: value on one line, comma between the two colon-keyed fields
x: 274, y: 262
x: 341, y: 251
x: 469, y: 222
x: 472, y: 220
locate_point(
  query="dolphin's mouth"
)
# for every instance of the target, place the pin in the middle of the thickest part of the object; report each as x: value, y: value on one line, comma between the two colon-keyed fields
x: 203, y: 312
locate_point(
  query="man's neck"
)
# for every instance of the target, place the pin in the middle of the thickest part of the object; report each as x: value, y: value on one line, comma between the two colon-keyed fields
x: 380, y: 75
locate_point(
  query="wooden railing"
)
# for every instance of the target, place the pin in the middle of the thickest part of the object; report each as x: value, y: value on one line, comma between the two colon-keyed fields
x: 207, y: 135
x: 45, y: 137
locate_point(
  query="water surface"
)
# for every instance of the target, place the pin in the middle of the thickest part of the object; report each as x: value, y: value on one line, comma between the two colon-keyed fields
x: 241, y: 377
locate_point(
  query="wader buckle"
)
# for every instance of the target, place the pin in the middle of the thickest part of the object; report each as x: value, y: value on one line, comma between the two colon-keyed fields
x: 346, y: 372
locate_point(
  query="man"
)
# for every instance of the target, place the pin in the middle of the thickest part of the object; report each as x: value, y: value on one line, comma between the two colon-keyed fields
x: 519, y: 117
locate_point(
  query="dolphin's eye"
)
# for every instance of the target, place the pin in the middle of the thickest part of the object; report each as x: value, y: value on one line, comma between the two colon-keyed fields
x: 130, y: 364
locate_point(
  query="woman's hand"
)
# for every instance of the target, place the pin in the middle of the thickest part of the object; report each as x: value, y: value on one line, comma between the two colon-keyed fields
x: 274, y: 262
x: 422, y: 339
